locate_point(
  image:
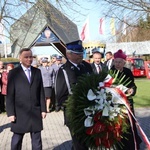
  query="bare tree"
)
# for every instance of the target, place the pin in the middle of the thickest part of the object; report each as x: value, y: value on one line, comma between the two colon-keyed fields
x: 128, y: 12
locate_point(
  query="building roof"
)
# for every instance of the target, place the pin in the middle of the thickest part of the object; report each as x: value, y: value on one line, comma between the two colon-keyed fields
x: 130, y: 48
x: 27, y: 29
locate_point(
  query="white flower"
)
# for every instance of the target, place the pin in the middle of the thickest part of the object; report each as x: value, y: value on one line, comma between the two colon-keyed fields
x: 101, y: 94
x: 114, y: 111
x: 106, y: 109
x: 91, y: 96
x: 101, y: 84
x: 89, y: 111
x: 124, y: 110
x: 99, y: 104
x: 117, y: 109
x: 88, y: 122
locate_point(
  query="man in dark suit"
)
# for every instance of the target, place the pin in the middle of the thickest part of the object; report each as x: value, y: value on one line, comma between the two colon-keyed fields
x: 97, y: 65
x: 25, y: 102
x: 109, y: 60
x: 67, y: 76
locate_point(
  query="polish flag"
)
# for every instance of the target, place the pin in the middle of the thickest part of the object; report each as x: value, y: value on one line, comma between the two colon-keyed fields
x: 124, y: 27
x: 102, y: 26
x: 85, y: 31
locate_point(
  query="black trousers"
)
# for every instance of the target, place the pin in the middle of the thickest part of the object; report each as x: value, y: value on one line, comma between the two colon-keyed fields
x: 2, y: 103
x: 76, y: 143
x: 53, y: 101
x: 17, y: 138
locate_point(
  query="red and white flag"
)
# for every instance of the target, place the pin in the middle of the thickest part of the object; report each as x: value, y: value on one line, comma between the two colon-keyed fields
x: 85, y: 30
x: 124, y: 27
x: 102, y: 26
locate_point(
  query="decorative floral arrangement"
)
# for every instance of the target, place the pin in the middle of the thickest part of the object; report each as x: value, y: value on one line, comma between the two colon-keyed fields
x: 96, y: 112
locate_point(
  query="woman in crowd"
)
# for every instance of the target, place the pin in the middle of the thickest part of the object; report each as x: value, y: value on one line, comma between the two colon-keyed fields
x: 47, y: 76
x: 4, y: 80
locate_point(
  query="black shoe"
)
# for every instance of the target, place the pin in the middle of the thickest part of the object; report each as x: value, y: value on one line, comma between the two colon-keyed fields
x: 57, y: 109
x: 52, y: 109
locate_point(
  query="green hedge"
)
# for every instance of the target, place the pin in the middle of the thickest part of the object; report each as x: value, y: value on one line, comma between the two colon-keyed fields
x: 10, y: 59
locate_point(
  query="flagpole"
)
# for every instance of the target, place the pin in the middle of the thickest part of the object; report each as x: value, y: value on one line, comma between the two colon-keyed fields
x: 5, y: 49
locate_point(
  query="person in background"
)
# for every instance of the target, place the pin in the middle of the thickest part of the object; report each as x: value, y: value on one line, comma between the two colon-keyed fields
x: 55, y: 67
x: 47, y: 76
x: 67, y: 76
x: 53, y: 58
x: 119, y: 62
x: 5, y: 80
x: 58, y: 63
x: 1, y: 67
x: 109, y: 60
x: 35, y: 62
x: 1, y: 96
x: 97, y: 65
x: 25, y: 102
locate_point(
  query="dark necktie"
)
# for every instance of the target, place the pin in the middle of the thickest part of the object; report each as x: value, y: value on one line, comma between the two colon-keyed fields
x: 98, y: 68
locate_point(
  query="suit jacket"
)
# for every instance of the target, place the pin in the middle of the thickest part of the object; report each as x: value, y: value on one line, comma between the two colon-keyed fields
x: 73, y: 73
x: 103, y: 67
x: 109, y: 63
x: 25, y: 100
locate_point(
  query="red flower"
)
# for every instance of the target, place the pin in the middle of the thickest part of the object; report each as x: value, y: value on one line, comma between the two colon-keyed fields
x: 107, y: 142
x: 99, y: 127
x: 90, y: 131
x: 97, y: 116
x: 98, y: 141
x: 111, y: 128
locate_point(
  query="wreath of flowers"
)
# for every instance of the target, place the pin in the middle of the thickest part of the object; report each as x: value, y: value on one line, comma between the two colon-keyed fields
x: 96, y: 113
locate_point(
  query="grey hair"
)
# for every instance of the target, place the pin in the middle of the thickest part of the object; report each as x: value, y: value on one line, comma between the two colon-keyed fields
x: 68, y: 51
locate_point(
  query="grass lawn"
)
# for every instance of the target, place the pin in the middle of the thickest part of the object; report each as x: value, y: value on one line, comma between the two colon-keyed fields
x: 142, y: 97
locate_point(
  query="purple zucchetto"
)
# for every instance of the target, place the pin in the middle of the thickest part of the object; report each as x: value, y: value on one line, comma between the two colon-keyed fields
x: 120, y: 54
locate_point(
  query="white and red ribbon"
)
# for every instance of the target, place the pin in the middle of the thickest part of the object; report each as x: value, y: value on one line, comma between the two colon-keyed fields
x: 126, y: 103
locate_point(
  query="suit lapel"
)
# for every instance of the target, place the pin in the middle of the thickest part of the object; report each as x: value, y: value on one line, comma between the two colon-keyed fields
x: 94, y: 68
x: 32, y: 74
x: 22, y: 74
